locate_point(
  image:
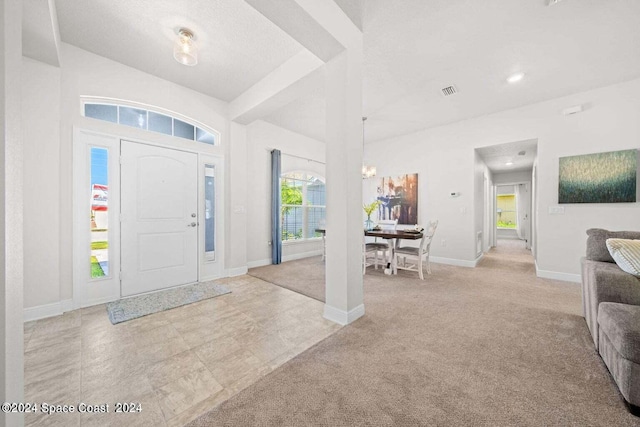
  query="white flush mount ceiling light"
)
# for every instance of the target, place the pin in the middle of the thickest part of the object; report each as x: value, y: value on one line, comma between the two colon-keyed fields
x: 516, y: 77
x: 185, y: 51
x: 509, y: 163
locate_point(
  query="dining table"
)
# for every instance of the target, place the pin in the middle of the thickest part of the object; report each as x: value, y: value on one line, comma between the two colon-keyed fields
x: 393, y: 236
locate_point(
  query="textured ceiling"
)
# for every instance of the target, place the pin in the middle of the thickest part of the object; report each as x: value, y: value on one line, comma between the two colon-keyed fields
x: 238, y: 46
x: 496, y: 156
x: 413, y: 48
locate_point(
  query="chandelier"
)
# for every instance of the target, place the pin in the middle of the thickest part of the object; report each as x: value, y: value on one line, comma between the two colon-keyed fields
x: 367, y: 171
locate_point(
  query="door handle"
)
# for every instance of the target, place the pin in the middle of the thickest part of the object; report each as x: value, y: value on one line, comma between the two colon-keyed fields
x: 193, y: 224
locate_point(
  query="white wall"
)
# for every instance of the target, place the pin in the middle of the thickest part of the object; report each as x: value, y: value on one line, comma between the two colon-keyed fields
x: 41, y: 144
x: 504, y: 189
x: 237, y: 206
x: 11, y: 208
x: 443, y: 167
x: 511, y: 177
x: 444, y: 158
x: 482, y: 180
x: 263, y: 137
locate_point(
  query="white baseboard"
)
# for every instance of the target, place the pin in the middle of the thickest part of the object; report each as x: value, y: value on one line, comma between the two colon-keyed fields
x: 557, y: 275
x: 477, y: 260
x: 259, y: 263
x: 301, y: 255
x: 238, y: 271
x: 342, y: 317
x: 455, y: 261
x: 47, y: 310
x: 285, y: 258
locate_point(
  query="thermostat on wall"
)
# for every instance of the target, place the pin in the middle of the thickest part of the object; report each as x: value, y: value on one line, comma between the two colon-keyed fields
x: 454, y: 194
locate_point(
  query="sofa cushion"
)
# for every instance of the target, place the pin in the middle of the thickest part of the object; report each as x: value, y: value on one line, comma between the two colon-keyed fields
x: 597, y: 242
x: 621, y: 324
x: 626, y: 253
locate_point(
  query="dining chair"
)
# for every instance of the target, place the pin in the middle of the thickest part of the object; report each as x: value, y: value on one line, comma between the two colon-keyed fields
x: 366, y: 262
x: 376, y: 246
x: 417, y: 253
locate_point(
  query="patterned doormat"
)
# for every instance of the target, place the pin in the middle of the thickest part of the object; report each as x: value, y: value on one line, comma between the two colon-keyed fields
x: 143, y: 305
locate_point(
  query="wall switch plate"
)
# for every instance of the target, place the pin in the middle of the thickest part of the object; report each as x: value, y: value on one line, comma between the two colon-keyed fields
x: 556, y: 210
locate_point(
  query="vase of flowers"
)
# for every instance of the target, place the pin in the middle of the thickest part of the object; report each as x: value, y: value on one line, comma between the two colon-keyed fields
x: 368, y: 209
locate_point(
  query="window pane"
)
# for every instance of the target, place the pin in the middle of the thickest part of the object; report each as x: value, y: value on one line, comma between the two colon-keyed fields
x: 291, y: 222
x: 204, y: 136
x: 209, y: 208
x: 108, y: 113
x: 160, y: 123
x: 315, y: 218
x: 182, y: 129
x: 506, y: 212
x: 316, y: 193
x: 291, y: 191
x: 133, y: 117
x: 99, y: 213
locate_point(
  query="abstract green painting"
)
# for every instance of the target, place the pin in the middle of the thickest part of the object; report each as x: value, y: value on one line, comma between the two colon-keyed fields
x: 599, y: 178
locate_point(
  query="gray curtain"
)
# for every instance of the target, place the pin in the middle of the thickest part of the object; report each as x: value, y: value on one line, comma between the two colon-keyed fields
x: 276, y: 232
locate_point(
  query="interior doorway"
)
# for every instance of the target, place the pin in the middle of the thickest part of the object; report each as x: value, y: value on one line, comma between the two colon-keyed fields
x: 513, y: 215
x: 509, y: 195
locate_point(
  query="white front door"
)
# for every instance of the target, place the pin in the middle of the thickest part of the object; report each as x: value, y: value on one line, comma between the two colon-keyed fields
x: 159, y: 224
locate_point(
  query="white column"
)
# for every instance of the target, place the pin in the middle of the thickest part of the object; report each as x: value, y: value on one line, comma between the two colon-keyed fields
x: 11, y: 231
x: 344, y: 293
x: 237, y: 197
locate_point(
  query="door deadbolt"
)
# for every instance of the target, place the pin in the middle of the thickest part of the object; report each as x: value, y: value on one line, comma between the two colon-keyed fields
x: 193, y: 215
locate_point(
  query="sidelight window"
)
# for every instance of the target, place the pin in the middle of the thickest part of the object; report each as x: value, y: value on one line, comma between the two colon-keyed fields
x: 99, y: 203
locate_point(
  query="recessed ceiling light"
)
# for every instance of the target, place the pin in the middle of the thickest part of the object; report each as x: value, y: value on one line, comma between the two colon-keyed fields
x: 513, y: 78
x: 509, y: 163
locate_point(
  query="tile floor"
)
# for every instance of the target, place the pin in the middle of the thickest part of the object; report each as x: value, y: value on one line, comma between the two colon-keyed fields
x: 177, y: 364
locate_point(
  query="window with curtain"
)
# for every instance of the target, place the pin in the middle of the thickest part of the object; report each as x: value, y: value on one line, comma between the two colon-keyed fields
x: 302, y: 209
x: 507, y: 213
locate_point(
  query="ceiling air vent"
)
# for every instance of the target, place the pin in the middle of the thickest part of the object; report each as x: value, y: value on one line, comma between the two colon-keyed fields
x: 449, y: 90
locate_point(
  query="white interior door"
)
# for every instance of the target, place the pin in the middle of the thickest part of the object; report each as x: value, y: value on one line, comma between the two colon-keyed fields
x: 159, y: 224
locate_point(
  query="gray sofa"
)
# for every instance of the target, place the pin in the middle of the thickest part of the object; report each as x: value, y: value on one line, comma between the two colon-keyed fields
x: 611, y: 307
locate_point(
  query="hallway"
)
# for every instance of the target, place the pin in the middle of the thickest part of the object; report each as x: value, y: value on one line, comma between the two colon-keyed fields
x: 510, y: 254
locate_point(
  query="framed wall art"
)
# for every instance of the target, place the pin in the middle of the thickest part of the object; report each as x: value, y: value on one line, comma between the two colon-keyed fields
x: 599, y: 178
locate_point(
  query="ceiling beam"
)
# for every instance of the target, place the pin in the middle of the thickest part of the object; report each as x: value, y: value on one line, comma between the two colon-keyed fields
x: 323, y: 28
x: 40, y: 32
x: 334, y: 21
x: 294, y: 20
x: 297, y: 76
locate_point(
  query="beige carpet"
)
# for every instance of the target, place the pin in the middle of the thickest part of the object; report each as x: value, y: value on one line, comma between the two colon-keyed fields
x: 492, y: 345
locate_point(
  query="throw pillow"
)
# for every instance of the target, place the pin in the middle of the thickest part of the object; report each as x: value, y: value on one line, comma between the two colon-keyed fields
x: 626, y: 253
x: 596, y: 242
